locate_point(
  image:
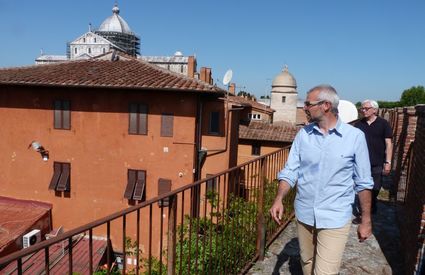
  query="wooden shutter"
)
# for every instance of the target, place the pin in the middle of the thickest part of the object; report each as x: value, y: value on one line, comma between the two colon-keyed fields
x: 167, y: 121
x: 56, y: 174
x: 57, y: 114
x: 140, y: 185
x: 211, y: 183
x: 66, y: 114
x: 143, y: 119
x: 164, y: 186
x: 132, y: 127
x: 131, y: 182
x: 64, y: 178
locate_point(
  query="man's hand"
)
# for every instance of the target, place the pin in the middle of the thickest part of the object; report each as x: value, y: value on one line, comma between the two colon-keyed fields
x: 364, y: 230
x: 277, y: 210
x: 387, y: 169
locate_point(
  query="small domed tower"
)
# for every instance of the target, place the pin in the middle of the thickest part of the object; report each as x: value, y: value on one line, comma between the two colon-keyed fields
x: 284, y: 97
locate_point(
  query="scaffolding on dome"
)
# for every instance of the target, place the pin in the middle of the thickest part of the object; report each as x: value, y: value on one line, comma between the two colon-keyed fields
x: 130, y: 43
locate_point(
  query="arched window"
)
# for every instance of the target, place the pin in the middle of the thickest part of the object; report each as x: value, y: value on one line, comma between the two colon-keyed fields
x: 89, y: 50
x: 75, y: 50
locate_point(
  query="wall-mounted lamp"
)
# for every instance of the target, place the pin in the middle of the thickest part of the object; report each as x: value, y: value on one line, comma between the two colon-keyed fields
x: 38, y: 148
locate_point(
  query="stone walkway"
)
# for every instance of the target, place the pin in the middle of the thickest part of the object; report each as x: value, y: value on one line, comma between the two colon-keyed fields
x: 380, y: 254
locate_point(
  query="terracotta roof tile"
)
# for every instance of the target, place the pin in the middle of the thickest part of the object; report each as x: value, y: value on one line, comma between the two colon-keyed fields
x: 132, y: 74
x: 254, y: 104
x: 257, y: 130
x: 29, y: 212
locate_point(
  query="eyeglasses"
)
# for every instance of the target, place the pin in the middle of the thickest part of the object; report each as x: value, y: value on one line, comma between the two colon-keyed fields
x: 365, y: 109
x: 312, y: 103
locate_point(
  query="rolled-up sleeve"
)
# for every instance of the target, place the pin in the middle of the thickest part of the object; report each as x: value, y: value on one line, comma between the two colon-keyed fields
x: 290, y: 172
x: 362, y: 175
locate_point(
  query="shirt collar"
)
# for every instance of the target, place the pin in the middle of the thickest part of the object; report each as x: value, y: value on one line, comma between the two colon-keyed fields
x: 315, y: 127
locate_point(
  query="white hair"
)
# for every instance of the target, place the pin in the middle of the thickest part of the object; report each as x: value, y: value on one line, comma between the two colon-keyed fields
x: 372, y: 103
x: 327, y: 93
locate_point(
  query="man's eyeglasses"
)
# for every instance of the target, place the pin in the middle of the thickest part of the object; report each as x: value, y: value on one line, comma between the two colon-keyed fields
x: 365, y: 109
x: 312, y: 103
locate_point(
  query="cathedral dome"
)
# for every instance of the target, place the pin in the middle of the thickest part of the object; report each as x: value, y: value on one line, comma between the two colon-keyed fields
x: 115, y: 23
x: 284, y: 79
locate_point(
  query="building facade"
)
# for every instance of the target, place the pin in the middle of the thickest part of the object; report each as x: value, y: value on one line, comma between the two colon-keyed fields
x: 92, y: 137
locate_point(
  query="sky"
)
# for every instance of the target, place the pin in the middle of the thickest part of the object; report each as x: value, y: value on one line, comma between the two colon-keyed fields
x: 364, y: 48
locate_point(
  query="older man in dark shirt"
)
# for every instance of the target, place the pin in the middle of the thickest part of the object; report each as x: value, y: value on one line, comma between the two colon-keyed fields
x: 378, y: 137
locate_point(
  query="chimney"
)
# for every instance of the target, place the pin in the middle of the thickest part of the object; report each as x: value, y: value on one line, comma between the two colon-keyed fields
x: 209, y: 78
x: 232, y: 88
x: 191, y: 66
x: 202, y: 74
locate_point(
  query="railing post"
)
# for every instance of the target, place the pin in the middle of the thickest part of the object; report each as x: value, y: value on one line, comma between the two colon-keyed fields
x: 261, y: 228
x: 171, y: 238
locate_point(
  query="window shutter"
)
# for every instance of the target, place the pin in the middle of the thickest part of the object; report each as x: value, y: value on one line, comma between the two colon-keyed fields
x: 131, y: 181
x: 140, y: 185
x: 57, y: 114
x: 132, y: 128
x: 56, y: 175
x: 211, y: 183
x: 143, y: 119
x: 66, y: 114
x: 64, y: 178
x: 164, y: 186
x: 167, y: 121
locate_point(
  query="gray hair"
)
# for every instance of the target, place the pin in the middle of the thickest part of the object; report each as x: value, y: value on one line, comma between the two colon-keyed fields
x: 372, y: 103
x: 329, y: 94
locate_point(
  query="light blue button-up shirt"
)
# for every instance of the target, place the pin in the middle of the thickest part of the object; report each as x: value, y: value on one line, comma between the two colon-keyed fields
x: 328, y: 170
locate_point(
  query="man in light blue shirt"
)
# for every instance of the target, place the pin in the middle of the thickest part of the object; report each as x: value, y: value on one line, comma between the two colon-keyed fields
x: 328, y: 162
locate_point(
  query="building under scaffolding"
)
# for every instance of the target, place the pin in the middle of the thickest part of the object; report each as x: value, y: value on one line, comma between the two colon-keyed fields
x: 113, y: 34
x: 116, y: 30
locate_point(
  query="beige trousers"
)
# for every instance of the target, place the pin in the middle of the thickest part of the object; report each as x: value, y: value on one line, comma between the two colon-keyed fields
x: 321, y: 249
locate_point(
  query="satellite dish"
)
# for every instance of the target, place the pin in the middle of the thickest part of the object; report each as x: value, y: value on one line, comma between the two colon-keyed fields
x: 347, y: 111
x: 227, y: 77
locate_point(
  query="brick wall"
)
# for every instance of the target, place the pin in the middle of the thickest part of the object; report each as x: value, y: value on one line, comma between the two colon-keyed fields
x: 409, y: 177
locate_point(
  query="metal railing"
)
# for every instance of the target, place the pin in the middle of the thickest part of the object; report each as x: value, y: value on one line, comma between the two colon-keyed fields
x: 218, y: 225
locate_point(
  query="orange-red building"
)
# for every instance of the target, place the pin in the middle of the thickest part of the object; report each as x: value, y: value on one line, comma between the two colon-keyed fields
x: 115, y: 131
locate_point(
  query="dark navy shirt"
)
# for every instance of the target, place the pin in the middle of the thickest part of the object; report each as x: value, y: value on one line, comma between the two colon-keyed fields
x: 376, y: 133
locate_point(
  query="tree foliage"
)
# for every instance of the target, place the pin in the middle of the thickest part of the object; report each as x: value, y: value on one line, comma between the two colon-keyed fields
x: 413, y: 96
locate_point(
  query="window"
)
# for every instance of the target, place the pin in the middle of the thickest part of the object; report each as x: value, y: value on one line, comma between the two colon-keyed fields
x: 94, y: 39
x: 75, y: 50
x: 167, y: 121
x: 84, y: 40
x: 104, y: 50
x: 256, y: 149
x: 136, y: 181
x: 254, y: 116
x: 211, y: 183
x: 164, y: 186
x: 283, y: 99
x: 61, y: 180
x: 89, y: 50
x: 138, y: 119
x: 214, y: 125
x: 62, y: 114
